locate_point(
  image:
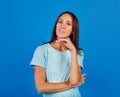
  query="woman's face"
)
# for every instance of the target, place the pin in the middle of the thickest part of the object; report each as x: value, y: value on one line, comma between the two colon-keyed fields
x: 64, y: 26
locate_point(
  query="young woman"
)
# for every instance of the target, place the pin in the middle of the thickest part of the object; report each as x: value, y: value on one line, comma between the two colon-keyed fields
x: 57, y: 64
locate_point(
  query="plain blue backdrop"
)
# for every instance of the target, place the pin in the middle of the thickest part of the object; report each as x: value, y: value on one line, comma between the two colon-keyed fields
x: 25, y: 24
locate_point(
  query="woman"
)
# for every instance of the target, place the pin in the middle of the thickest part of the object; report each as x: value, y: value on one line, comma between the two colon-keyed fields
x: 57, y: 64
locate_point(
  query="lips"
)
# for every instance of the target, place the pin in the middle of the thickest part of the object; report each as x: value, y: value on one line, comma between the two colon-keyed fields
x: 61, y: 31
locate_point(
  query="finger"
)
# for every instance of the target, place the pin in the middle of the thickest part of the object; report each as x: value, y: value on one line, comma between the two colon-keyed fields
x: 61, y: 40
x: 84, y: 75
x: 65, y: 44
x: 83, y: 80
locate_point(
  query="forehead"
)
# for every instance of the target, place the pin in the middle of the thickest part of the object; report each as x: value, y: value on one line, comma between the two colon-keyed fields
x: 66, y: 17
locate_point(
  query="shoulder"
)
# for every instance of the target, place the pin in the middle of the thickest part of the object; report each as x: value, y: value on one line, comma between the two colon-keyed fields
x: 43, y: 46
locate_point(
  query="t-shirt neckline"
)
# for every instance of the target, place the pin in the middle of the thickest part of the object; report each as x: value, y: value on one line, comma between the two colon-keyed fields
x: 56, y: 49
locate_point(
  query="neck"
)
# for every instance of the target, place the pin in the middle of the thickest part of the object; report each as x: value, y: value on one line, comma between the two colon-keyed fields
x: 59, y: 46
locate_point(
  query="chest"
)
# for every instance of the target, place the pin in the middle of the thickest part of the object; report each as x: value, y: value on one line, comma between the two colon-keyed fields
x: 58, y: 62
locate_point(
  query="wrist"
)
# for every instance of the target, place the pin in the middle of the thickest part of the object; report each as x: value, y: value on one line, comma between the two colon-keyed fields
x: 74, y: 50
x: 68, y: 84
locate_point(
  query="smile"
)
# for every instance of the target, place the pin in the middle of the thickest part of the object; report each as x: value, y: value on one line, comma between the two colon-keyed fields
x: 61, y: 31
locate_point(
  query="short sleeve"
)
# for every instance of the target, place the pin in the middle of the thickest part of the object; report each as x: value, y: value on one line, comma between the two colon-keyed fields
x: 39, y: 58
x: 80, y: 58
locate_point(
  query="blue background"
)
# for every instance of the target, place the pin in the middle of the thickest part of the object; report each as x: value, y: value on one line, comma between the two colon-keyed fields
x: 25, y: 24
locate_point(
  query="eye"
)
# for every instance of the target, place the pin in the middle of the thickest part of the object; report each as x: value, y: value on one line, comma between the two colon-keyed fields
x: 60, y: 22
x: 69, y: 24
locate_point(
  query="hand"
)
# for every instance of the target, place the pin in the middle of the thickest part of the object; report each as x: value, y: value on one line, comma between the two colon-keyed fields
x: 67, y: 42
x: 82, y: 79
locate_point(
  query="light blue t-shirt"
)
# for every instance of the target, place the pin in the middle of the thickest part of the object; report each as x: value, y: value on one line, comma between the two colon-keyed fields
x: 57, y: 65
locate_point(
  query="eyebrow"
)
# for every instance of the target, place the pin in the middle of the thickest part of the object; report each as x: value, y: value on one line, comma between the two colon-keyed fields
x: 67, y: 21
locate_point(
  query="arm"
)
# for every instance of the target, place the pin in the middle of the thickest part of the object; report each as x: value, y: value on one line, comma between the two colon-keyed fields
x: 43, y: 86
x: 75, y: 68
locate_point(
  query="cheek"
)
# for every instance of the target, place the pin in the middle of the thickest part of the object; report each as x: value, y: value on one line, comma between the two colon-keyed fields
x: 69, y: 30
x: 57, y: 27
x: 68, y: 33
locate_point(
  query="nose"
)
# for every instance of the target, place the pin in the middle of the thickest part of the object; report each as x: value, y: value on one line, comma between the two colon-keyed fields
x: 63, y: 26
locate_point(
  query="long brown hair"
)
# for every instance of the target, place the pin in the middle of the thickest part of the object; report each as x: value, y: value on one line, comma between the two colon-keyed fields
x: 75, y: 31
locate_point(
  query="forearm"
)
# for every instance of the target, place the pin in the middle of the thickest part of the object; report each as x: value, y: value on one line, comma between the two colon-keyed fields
x: 46, y: 87
x: 53, y: 87
x: 75, y: 68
